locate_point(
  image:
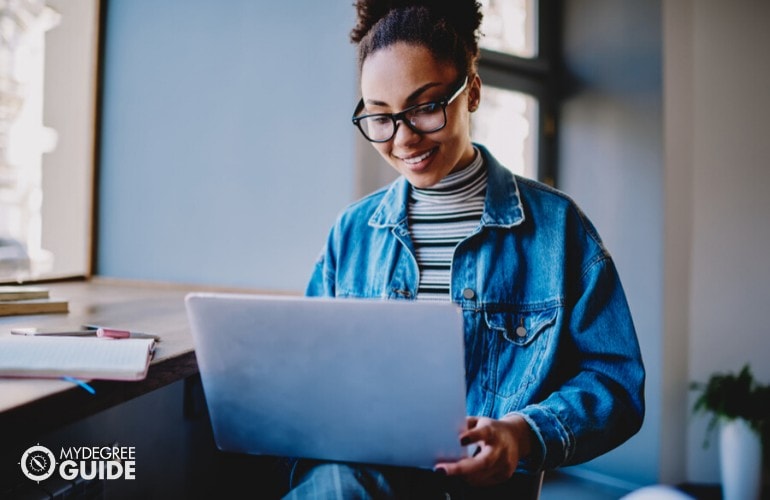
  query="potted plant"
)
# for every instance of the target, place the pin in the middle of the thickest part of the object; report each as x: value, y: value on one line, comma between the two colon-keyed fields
x: 741, y: 408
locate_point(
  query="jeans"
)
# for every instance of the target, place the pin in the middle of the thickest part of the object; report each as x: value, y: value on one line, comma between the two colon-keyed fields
x: 339, y: 481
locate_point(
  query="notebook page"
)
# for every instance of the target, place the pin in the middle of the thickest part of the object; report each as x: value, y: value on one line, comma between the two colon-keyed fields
x: 93, y: 358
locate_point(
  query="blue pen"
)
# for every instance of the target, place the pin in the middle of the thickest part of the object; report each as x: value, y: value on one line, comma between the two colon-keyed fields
x: 81, y: 383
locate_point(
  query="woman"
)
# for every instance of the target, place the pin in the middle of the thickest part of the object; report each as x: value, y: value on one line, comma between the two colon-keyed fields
x: 553, y: 368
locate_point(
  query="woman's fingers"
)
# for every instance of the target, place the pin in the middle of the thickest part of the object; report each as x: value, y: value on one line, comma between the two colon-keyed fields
x: 495, y: 456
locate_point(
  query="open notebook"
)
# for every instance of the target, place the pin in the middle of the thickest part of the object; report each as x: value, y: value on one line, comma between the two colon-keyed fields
x: 80, y: 357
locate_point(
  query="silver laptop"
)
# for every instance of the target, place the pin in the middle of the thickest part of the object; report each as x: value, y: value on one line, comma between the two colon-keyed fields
x: 353, y: 380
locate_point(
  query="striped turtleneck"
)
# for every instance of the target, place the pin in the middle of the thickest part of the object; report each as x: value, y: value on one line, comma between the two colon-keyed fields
x: 439, y: 218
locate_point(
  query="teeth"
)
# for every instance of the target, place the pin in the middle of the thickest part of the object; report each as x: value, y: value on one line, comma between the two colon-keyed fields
x: 418, y: 159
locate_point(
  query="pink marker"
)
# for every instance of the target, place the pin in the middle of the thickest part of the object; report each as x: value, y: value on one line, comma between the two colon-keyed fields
x: 114, y: 333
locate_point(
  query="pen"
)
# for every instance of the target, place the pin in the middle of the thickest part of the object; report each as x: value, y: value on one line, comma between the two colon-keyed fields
x: 117, y: 333
x: 81, y: 383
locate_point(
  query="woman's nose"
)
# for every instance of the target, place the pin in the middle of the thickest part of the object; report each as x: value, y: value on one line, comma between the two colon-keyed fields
x: 405, y: 136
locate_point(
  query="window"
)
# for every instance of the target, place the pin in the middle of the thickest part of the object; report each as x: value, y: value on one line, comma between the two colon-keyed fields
x: 518, y: 64
x: 510, y: 27
x: 506, y: 121
x: 47, y: 121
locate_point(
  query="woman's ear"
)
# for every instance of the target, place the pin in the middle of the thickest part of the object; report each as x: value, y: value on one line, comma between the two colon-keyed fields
x: 474, y: 93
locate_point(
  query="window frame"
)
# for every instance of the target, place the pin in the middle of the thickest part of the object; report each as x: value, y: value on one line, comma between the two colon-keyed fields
x: 88, y: 73
x: 539, y: 77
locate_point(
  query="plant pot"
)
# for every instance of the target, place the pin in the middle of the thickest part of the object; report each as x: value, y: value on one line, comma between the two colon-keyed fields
x: 740, y: 460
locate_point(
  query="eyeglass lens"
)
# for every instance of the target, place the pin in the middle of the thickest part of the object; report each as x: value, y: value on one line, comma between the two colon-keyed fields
x: 424, y: 118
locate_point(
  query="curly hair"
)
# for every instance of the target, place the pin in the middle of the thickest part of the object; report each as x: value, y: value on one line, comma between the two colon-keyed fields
x: 449, y: 29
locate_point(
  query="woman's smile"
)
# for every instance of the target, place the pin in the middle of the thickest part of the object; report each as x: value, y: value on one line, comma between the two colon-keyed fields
x: 418, y: 161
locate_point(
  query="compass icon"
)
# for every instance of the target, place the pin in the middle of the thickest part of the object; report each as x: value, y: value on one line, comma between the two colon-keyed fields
x: 38, y: 463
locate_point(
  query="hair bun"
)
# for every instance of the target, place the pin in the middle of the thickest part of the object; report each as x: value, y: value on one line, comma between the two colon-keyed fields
x: 464, y: 15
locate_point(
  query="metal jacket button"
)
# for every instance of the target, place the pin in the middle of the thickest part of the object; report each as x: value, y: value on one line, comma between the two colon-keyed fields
x: 469, y: 294
x: 521, y: 330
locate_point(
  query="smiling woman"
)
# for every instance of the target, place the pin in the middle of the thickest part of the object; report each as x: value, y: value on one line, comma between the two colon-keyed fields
x: 534, y: 282
x: 47, y: 123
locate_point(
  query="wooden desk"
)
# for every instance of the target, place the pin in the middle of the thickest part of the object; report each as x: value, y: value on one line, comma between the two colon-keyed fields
x: 30, y: 407
x: 168, y: 426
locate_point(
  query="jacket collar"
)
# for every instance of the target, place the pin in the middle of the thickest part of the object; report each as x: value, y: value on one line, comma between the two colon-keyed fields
x: 502, y: 206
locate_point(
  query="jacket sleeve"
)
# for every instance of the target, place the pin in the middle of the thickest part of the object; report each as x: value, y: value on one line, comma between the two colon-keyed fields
x: 601, y: 404
x: 322, y: 280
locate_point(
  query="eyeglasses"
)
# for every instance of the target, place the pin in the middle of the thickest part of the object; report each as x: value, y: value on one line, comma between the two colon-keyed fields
x: 422, y: 118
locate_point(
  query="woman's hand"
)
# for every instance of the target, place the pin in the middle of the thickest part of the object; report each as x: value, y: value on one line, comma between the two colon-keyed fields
x: 501, y: 444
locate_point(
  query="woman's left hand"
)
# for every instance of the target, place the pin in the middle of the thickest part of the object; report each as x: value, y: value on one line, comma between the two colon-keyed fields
x: 501, y: 444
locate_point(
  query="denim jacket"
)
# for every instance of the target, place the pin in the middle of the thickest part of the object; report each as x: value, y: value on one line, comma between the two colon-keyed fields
x: 548, y: 332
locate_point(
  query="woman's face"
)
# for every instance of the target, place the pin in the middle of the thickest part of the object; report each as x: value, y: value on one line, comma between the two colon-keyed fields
x: 402, y: 75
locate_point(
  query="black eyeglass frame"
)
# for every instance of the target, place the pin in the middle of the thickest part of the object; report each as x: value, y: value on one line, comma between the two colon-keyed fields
x: 401, y: 115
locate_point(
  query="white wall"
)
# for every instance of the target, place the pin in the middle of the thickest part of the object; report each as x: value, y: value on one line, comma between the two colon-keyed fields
x: 678, y: 208
x: 611, y: 162
x: 729, y: 173
x: 227, y: 147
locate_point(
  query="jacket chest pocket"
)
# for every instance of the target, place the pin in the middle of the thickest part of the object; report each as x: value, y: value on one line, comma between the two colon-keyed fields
x: 518, y: 339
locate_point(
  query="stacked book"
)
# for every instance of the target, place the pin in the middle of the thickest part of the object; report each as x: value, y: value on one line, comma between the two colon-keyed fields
x: 16, y: 300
